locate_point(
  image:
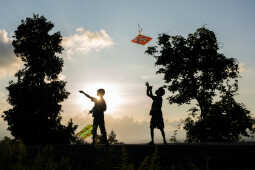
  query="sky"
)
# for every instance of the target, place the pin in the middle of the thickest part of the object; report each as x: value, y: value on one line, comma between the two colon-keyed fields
x: 99, y: 54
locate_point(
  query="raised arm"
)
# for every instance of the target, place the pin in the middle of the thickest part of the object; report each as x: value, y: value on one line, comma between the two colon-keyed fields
x: 149, y: 90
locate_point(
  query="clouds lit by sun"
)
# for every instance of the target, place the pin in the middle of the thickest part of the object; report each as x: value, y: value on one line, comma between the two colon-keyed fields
x: 83, y: 41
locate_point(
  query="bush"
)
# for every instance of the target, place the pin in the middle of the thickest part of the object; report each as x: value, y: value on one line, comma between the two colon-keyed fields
x: 14, y: 156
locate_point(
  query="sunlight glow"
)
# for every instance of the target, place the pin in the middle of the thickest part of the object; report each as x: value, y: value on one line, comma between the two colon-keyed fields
x: 112, y: 96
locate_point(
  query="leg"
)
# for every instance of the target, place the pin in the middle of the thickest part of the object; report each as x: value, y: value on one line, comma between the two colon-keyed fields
x: 163, y: 135
x: 152, y: 126
x: 102, y: 129
x: 152, y: 135
x: 94, y: 130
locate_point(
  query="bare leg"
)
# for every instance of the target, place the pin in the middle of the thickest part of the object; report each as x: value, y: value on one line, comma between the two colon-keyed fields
x: 163, y: 135
x: 152, y: 136
x: 103, y: 131
x: 94, y: 131
x: 94, y: 134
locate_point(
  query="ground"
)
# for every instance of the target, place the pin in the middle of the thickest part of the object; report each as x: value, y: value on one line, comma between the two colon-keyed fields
x: 175, y: 156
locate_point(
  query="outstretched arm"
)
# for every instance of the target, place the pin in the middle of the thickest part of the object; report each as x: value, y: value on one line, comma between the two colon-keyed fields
x: 92, y: 98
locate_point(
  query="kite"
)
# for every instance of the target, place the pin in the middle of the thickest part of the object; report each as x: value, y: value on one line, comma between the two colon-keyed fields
x: 141, y: 39
x: 85, y: 132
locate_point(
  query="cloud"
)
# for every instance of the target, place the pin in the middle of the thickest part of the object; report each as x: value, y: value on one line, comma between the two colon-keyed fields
x: 241, y: 68
x: 84, y: 41
x: 9, y: 63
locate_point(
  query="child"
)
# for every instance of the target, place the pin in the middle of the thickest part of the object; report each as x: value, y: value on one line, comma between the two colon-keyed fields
x: 156, y: 113
x: 98, y: 114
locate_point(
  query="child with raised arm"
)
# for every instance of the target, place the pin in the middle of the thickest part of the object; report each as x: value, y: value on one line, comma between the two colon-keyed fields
x: 98, y: 114
x: 155, y: 112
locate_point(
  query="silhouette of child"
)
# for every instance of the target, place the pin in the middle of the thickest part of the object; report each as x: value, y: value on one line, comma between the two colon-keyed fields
x: 98, y: 114
x: 155, y: 112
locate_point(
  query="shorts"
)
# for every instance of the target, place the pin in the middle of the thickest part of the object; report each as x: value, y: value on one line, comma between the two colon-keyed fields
x: 157, y: 122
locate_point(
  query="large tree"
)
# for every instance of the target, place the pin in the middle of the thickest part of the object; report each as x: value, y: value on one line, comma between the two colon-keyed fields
x: 36, y: 95
x: 194, y: 69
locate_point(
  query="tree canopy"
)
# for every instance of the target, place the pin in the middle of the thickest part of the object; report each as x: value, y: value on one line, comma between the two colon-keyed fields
x: 36, y: 95
x: 194, y: 69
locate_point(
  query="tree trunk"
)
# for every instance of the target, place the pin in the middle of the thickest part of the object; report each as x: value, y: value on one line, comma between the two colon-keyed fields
x: 204, y: 106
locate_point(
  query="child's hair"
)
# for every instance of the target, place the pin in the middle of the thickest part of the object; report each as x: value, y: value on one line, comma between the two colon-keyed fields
x: 160, y: 91
x: 101, y: 91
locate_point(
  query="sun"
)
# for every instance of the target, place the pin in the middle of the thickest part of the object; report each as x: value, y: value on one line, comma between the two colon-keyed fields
x: 112, y: 96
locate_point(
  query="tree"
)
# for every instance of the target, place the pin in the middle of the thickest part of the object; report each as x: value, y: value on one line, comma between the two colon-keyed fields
x: 194, y: 69
x: 226, y: 122
x: 36, y: 95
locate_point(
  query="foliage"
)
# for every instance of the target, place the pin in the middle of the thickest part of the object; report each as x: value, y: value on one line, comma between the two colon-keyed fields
x: 227, y: 121
x: 36, y: 96
x: 125, y: 165
x: 194, y: 69
x: 14, y: 156
x: 150, y: 162
x: 79, y: 141
x: 112, y: 139
x: 173, y: 138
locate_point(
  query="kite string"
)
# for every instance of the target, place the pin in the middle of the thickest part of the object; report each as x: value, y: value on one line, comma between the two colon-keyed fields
x: 140, y: 29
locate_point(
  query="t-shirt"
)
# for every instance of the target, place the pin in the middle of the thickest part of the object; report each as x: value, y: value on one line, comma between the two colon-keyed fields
x: 156, y: 105
x: 99, y: 107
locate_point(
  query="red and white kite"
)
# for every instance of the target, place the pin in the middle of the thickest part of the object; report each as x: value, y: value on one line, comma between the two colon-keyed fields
x: 141, y: 39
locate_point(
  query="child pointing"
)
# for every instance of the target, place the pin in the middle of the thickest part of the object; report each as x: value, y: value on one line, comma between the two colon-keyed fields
x: 98, y: 114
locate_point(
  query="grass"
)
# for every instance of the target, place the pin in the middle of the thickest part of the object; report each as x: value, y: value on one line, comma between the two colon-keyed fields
x: 17, y: 156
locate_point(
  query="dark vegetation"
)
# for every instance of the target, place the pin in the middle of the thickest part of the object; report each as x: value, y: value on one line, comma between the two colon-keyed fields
x: 17, y: 156
x: 36, y: 95
x: 111, y: 139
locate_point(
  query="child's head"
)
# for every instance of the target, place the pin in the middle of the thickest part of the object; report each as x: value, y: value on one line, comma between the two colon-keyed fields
x: 100, y: 92
x: 160, y: 91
